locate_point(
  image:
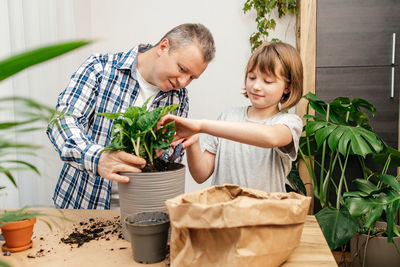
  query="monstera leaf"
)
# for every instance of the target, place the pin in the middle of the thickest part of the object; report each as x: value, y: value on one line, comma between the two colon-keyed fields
x: 360, y: 140
x: 337, y: 225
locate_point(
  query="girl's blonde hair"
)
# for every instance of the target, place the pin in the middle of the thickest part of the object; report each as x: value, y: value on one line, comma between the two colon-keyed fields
x: 268, y: 58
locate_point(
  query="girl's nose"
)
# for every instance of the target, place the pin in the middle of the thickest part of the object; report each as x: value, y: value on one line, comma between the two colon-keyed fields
x: 257, y: 85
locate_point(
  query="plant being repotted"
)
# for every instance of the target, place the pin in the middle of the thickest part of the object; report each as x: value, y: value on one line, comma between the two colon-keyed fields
x: 135, y: 131
x: 29, y: 113
x: 375, y: 206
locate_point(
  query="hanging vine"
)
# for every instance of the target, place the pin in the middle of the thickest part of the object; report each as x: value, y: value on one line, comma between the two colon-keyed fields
x: 264, y: 21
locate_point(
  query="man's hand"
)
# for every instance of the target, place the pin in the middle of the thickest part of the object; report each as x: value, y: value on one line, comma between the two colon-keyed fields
x: 111, y: 163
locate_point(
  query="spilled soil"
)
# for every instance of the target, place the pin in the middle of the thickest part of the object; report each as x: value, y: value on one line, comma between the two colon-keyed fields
x: 84, y: 232
x: 90, y: 230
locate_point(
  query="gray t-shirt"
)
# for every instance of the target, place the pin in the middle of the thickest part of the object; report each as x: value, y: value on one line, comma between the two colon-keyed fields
x: 251, y: 166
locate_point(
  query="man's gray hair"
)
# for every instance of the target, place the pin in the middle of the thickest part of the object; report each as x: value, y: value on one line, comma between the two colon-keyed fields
x: 188, y: 33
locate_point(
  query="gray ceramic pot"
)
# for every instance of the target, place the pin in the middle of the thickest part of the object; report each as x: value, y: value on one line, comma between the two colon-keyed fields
x: 147, y: 192
x: 379, y: 251
x: 148, y: 233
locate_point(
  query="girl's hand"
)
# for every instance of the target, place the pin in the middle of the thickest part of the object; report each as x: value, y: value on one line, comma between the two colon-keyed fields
x: 184, y: 127
x: 186, y: 142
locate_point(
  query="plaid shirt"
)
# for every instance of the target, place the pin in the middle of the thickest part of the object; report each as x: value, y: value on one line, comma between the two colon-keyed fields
x: 104, y: 83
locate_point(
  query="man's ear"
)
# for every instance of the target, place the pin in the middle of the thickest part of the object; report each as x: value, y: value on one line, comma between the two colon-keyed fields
x: 163, y: 46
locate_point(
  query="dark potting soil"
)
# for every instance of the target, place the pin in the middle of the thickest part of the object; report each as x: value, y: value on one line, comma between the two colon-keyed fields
x: 161, y: 166
x: 93, y: 230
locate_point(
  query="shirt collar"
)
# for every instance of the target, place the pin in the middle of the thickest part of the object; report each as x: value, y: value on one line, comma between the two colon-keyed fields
x: 129, y: 59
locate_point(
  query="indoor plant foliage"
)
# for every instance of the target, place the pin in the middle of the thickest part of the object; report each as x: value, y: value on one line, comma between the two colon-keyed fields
x: 28, y: 111
x: 28, y: 117
x: 377, y: 196
x: 135, y: 132
x: 264, y: 21
x: 339, y: 129
x: 377, y: 200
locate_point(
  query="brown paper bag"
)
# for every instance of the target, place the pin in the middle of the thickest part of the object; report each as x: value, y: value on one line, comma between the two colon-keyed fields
x: 233, y: 226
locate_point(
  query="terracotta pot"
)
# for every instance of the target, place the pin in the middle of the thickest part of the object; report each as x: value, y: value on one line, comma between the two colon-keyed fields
x: 148, y: 192
x: 148, y: 233
x: 18, y: 235
x: 379, y: 251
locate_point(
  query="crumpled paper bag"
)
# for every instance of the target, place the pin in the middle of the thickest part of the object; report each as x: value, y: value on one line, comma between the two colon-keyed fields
x: 233, y: 226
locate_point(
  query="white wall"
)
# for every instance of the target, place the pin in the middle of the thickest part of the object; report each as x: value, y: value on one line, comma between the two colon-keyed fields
x: 121, y: 24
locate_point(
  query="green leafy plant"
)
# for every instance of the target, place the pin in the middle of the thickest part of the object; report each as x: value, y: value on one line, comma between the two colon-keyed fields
x: 377, y: 198
x: 26, y: 213
x: 29, y: 112
x: 29, y: 116
x: 339, y: 129
x: 264, y: 21
x: 135, y: 132
x: 295, y: 183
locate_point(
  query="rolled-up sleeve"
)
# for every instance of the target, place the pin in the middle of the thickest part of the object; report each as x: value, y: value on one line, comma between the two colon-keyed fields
x: 75, y: 105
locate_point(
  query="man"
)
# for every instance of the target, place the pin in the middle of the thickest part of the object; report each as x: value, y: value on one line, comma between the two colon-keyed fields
x: 112, y: 83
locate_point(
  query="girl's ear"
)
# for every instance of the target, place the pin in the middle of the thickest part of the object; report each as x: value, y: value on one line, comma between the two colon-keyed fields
x: 287, y: 90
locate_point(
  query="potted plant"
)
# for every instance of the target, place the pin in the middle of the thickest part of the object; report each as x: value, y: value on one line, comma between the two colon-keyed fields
x: 16, y: 228
x: 149, y: 235
x: 375, y: 206
x: 31, y: 112
x: 339, y: 129
x: 135, y: 131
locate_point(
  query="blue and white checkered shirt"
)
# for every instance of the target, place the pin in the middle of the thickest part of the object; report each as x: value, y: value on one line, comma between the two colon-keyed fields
x: 104, y: 83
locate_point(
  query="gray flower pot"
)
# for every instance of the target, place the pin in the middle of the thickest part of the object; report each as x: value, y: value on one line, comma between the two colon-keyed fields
x: 147, y: 192
x: 379, y: 251
x: 148, y: 233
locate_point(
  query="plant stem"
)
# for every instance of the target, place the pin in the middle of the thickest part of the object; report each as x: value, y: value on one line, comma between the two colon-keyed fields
x: 363, y: 167
x: 148, y: 152
x: 310, y: 165
x: 328, y: 177
x: 135, y: 148
x: 321, y: 177
x: 342, y: 178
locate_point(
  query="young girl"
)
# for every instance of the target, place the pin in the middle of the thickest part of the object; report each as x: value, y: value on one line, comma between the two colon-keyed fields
x: 251, y: 146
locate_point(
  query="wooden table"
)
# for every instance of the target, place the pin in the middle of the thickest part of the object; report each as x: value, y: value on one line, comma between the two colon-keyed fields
x: 48, y: 250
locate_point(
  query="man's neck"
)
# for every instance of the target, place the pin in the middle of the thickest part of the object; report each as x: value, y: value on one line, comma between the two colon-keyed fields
x: 145, y: 62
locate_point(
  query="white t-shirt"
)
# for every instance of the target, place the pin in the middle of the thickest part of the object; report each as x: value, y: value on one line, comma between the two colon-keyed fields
x: 146, y: 90
x: 251, y: 166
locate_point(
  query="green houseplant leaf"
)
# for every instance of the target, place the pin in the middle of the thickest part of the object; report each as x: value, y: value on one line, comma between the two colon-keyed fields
x: 30, y: 111
x: 337, y: 225
x: 337, y: 130
x: 135, y: 130
x: 18, y: 62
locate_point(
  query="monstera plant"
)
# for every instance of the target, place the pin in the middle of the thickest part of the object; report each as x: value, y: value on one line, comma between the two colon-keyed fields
x: 339, y: 129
